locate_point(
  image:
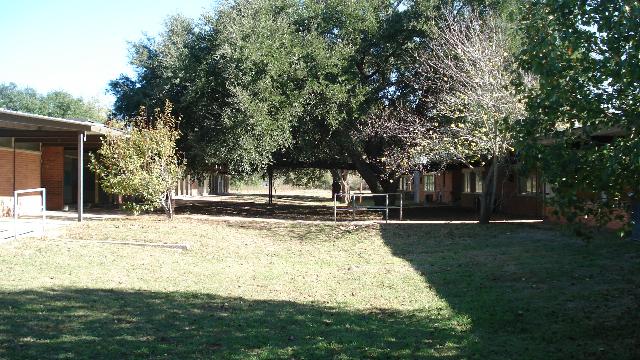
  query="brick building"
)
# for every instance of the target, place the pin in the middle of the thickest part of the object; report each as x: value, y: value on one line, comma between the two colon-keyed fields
x: 45, y: 152
x: 517, y: 194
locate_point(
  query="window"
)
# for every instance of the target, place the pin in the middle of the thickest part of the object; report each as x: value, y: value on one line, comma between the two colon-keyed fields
x: 6, y: 142
x: 479, y: 179
x: 466, y: 182
x: 529, y: 184
x: 429, y: 183
x: 31, y: 146
x: 406, y: 183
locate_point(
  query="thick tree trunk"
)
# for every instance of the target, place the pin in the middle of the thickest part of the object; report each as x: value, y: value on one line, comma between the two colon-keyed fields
x: 345, y: 188
x: 367, y: 174
x: 378, y: 183
x: 340, y: 184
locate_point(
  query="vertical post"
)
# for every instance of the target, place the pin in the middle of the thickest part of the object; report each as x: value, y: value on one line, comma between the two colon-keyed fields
x: 80, y: 175
x: 400, y: 207
x: 44, y: 210
x: 353, y: 207
x: 386, y: 207
x: 270, y: 173
x: 15, y: 214
x: 335, y: 207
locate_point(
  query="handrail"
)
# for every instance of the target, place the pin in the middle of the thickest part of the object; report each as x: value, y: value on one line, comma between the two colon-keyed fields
x: 354, y: 207
x: 43, y: 208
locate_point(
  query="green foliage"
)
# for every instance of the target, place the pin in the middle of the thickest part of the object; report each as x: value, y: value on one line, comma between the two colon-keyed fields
x: 585, y: 54
x: 275, y: 82
x: 306, y: 178
x: 142, y: 164
x: 58, y: 104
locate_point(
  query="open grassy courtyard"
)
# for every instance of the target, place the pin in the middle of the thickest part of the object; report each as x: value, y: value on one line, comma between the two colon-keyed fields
x: 265, y: 290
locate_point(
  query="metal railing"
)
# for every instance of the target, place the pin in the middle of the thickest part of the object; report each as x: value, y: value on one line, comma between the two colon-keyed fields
x: 43, y: 208
x: 353, y: 207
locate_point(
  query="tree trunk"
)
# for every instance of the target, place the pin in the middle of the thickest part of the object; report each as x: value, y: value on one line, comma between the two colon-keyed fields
x: 487, y: 197
x: 367, y: 174
x: 167, y: 204
x: 345, y: 188
x: 635, y: 218
x: 336, y: 187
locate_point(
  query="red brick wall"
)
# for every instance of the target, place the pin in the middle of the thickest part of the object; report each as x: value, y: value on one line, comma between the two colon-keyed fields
x: 53, y: 176
x: 27, y: 173
x: 515, y: 203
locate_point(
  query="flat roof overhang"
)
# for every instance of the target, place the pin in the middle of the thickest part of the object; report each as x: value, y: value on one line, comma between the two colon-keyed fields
x: 51, y: 131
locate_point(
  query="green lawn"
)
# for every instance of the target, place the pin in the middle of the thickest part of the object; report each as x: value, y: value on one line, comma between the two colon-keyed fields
x: 304, y: 291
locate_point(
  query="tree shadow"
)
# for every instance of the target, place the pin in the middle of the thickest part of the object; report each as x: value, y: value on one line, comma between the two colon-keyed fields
x: 530, y: 292
x: 286, y: 207
x: 96, y: 323
x: 315, y: 208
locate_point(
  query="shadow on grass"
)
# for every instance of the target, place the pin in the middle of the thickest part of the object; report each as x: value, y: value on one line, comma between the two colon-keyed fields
x: 530, y: 292
x: 307, y: 207
x: 94, y: 323
x: 285, y: 207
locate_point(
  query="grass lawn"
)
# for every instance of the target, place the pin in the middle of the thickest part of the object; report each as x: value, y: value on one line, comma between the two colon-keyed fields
x: 306, y: 291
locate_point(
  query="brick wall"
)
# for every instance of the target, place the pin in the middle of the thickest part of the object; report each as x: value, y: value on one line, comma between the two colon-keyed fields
x: 27, y: 174
x: 53, y: 176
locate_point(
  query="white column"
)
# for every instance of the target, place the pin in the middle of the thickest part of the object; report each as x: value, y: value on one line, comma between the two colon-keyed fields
x: 80, y: 175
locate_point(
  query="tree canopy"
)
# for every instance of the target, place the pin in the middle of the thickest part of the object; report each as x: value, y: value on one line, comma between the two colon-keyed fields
x: 585, y: 54
x: 264, y: 82
x: 55, y: 103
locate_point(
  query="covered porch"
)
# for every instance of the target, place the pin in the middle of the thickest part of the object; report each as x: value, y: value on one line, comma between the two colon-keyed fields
x: 44, y: 152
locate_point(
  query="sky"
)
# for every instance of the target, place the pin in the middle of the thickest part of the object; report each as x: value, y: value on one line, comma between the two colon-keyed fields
x: 78, y: 45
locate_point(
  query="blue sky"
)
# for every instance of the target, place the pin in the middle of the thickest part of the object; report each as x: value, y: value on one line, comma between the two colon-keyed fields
x: 78, y: 45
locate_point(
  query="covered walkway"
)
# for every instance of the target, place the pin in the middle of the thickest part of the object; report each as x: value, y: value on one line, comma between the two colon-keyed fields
x: 33, y: 152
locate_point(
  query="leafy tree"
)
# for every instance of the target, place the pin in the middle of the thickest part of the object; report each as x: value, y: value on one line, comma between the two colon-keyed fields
x: 55, y: 103
x: 274, y: 82
x: 142, y: 164
x: 586, y: 56
x: 471, y: 57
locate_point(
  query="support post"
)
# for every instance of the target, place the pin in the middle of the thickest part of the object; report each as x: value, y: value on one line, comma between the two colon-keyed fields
x: 401, y: 207
x: 386, y: 207
x: 44, y: 212
x: 270, y: 173
x: 80, y: 176
x: 15, y: 214
x: 353, y: 206
x: 335, y: 207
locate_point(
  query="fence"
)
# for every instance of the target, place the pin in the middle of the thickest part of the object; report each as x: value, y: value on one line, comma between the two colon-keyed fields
x: 354, y: 207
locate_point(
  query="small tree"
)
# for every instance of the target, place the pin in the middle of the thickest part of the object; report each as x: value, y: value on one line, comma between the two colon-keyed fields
x: 471, y: 58
x: 142, y: 164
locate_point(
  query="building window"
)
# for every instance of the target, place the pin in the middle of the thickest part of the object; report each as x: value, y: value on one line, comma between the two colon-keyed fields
x: 529, y: 184
x: 31, y: 146
x: 430, y: 183
x: 6, y: 142
x: 479, y: 182
x: 466, y: 181
x: 406, y: 183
